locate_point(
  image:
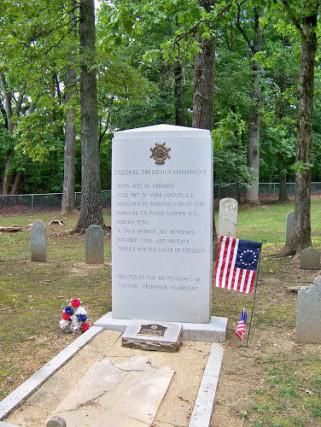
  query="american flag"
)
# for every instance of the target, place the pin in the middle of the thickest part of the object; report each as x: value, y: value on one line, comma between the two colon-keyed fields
x: 236, y: 264
x: 240, y: 330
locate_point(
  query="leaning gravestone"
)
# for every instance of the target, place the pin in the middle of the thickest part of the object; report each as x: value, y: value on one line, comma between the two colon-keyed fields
x: 94, y: 245
x: 310, y: 259
x: 227, y: 220
x: 162, y: 193
x: 308, y: 319
x: 290, y: 221
x: 38, y: 242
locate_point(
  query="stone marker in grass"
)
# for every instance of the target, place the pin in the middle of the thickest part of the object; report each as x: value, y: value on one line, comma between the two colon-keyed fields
x: 308, y: 318
x: 290, y: 221
x: 94, y: 245
x: 310, y: 259
x: 227, y: 220
x: 38, y: 242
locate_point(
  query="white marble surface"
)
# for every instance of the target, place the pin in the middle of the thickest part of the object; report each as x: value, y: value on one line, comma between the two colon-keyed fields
x: 162, y: 225
x: 213, y: 331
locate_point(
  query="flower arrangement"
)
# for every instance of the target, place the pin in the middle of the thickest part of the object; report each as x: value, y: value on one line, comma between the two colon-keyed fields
x: 74, y: 317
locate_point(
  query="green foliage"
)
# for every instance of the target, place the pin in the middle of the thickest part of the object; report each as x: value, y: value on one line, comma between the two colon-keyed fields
x: 138, y: 45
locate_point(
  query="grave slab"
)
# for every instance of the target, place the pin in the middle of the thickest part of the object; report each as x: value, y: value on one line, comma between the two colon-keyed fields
x: 110, y: 394
x: 183, y: 391
x: 153, y: 336
x: 214, y: 331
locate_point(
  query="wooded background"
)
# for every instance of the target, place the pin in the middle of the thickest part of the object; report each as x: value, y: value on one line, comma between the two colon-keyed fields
x: 249, y: 71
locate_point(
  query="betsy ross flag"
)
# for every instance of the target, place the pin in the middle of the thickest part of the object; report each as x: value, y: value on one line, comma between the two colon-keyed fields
x: 240, y: 330
x: 236, y: 264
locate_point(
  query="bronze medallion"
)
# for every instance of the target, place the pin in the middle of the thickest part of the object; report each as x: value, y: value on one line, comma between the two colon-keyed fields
x: 160, y: 153
x: 152, y: 330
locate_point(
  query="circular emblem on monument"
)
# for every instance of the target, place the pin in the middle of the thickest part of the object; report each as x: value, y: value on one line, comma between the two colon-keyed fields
x: 160, y: 153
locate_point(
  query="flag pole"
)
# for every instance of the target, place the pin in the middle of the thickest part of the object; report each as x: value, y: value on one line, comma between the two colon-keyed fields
x: 254, y: 297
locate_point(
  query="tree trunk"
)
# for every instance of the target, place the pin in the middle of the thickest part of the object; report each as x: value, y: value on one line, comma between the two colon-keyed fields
x: 283, y: 189
x: 252, y: 193
x: 15, y: 183
x: 90, y: 206
x: 301, y: 237
x: 7, y: 96
x: 203, y: 92
x: 179, y: 94
x: 68, y: 196
x: 6, y: 173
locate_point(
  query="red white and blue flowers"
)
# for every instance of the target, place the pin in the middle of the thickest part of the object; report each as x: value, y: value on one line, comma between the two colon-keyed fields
x: 74, y: 317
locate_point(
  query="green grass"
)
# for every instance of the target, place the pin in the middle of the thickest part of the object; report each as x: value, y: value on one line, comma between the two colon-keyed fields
x: 32, y: 296
x: 289, y: 396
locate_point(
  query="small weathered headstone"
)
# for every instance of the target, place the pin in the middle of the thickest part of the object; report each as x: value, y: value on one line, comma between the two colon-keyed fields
x: 56, y: 422
x: 94, y: 245
x: 153, y: 336
x: 38, y: 242
x: 310, y: 259
x: 308, y: 318
x: 227, y: 220
x: 290, y: 221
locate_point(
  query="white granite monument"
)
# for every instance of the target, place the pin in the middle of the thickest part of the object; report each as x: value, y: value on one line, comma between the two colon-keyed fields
x: 162, y: 193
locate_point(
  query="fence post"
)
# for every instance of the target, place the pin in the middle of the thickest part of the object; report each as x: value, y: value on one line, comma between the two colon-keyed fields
x: 32, y: 202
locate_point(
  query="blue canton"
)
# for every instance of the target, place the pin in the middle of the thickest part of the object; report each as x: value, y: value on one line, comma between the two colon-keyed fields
x: 248, y: 254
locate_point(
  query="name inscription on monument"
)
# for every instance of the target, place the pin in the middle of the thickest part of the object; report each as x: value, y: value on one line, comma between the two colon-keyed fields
x: 161, y: 222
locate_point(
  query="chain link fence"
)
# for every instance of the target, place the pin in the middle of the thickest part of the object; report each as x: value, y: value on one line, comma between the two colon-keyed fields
x: 49, y: 201
x: 268, y: 191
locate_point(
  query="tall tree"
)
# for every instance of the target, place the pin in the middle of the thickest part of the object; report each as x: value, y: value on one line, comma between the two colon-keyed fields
x: 68, y: 194
x: 203, y: 92
x: 305, y: 18
x: 90, y: 207
x: 255, y: 45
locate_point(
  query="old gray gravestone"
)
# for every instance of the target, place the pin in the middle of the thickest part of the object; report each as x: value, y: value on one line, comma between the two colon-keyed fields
x: 290, y: 221
x: 38, y: 242
x: 308, y: 318
x: 227, y: 219
x: 310, y: 259
x: 94, y: 245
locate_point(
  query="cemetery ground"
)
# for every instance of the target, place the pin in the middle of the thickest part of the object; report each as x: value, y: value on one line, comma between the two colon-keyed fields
x: 273, y: 382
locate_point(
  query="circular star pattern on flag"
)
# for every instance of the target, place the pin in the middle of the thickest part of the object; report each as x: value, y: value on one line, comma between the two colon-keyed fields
x: 248, y: 258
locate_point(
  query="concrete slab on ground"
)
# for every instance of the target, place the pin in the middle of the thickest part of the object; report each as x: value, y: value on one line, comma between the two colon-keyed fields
x: 176, y: 407
x: 214, y: 331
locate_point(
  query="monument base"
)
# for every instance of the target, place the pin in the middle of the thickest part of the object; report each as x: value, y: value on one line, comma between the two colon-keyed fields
x: 214, y: 331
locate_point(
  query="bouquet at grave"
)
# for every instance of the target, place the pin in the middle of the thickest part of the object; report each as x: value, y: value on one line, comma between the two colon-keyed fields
x: 74, y: 317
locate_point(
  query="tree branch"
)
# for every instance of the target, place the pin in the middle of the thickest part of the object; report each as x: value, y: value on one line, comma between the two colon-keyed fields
x: 20, y: 98
x: 293, y: 18
x: 241, y: 29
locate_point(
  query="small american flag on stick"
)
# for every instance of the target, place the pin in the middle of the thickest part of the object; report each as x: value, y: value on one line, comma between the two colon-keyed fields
x: 240, y: 330
x: 236, y: 265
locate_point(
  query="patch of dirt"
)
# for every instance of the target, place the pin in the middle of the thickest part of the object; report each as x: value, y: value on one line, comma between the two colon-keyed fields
x: 243, y: 375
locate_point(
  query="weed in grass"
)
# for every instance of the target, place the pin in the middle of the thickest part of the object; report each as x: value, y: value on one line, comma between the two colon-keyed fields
x: 313, y: 405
